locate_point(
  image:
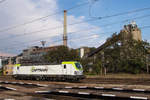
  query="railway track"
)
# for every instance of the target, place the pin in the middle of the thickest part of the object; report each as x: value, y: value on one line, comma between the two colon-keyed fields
x: 75, y: 91
x: 82, y: 91
x: 78, y: 93
x: 104, y: 96
x: 19, y: 90
x: 126, y: 81
x: 6, y: 88
x: 23, y: 84
x: 109, y: 89
x: 100, y: 93
x: 22, y: 90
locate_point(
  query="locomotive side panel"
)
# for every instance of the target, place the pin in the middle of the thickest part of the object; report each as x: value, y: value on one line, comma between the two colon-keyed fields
x: 64, y: 71
x: 39, y: 70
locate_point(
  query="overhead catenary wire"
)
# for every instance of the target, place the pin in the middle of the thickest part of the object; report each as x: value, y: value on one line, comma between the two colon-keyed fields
x: 73, y: 39
x: 53, y: 28
x: 90, y: 8
x: 34, y: 20
x: 117, y: 15
x: 77, y: 38
x: 26, y: 45
x: 144, y: 27
x: 93, y: 19
x: 123, y: 13
x: 40, y: 18
x: 59, y: 40
x: 56, y: 41
x: 139, y: 17
x: 37, y: 40
x: 86, y: 38
x: 79, y: 5
x: 92, y: 28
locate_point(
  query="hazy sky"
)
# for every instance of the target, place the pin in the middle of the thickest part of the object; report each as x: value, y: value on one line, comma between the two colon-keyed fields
x: 14, y: 14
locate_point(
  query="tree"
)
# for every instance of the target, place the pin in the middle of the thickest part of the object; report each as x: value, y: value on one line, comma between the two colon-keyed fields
x: 128, y: 57
x: 62, y: 53
x: 1, y: 71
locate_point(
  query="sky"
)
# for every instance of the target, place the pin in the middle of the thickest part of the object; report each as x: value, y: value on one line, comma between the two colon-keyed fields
x: 19, y: 30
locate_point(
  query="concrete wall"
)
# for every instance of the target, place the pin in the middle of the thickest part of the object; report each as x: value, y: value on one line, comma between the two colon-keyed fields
x: 136, y: 35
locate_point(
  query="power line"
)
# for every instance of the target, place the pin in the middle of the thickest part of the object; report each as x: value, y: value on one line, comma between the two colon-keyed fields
x: 100, y: 26
x: 53, y: 28
x: 29, y: 22
x: 73, y: 38
x: 52, y: 41
x: 93, y: 19
x: 34, y: 20
x: 92, y: 28
x: 88, y: 37
x: 26, y: 45
x: 144, y: 27
x: 90, y: 8
x: 123, y: 13
x: 37, y: 40
x: 79, y: 5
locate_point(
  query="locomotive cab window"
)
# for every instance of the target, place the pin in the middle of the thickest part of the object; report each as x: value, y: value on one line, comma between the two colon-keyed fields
x: 64, y: 66
x: 78, y: 65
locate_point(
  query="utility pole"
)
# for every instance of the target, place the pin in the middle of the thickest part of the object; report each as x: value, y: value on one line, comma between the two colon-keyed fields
x: 43, y: 43
x: 65, y: 29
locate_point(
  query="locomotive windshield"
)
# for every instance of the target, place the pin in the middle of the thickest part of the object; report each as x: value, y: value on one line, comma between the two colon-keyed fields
x: 78, y: 65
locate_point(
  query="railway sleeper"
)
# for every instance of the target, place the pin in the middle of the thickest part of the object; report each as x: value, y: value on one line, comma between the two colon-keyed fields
x: 49, y: 77
x: 91, y: 95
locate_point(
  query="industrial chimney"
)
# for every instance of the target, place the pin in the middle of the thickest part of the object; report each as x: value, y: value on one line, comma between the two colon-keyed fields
x: 65, y: 29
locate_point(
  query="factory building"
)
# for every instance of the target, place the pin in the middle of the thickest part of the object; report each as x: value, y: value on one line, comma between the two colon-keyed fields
x: 83, y: 51
x: 131, y: 31
x: 34, y: 54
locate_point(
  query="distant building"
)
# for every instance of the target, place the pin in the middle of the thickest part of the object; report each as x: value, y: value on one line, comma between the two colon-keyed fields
x: 83, y: 51
x: 3, y: 60
x: 131, y: 31
x: 35, y: 54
